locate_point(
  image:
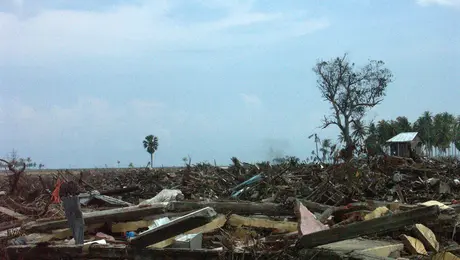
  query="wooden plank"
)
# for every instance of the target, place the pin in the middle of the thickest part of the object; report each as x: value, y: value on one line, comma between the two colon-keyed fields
x: 314, y: 206
x: 138, y: 213
x: 58, y: 252
x: 413, y: 245
x: 111, y: 215
x: 175, y: 227
x: 12, y: 213
x: 210, y: 227
x: 427, y: 237
x: 379, y: 225
x: 242, y: 208
x: 238, y: 221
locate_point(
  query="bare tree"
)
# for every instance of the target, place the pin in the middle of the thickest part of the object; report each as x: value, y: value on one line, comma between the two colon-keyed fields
x: 350, y: 91
x: 14, y: 179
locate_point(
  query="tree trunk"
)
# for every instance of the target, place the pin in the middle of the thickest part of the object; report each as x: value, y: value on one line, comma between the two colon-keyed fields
x: 346, y: 133
x: 151, y: 160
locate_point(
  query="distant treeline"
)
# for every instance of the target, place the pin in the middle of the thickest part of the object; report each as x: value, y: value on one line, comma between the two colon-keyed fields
x: 440, y: 133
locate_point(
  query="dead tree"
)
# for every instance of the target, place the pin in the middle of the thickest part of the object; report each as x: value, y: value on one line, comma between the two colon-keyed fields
x: 14, y: 179
x: 350, y: 92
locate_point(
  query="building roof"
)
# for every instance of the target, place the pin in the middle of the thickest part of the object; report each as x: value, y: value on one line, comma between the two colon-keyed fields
x: 403, y: 137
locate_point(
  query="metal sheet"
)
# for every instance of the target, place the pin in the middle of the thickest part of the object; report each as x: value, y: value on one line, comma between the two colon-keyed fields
x: 403, y: 137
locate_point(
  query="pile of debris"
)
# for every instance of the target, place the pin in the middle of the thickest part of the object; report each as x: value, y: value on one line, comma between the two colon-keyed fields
x: 369, y: 208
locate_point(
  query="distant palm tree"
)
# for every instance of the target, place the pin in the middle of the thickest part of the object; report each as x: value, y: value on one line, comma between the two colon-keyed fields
x: 317, y: 141
x: 151, y: 145
x: 424, y: 127
x: 402, y: 125
x: 384, y: 131
x: 457, y: 135
x: 443, y: 128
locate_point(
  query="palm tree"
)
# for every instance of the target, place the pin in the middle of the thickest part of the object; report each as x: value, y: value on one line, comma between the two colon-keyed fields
x: 151, y: 145
x: 317, y: 141
x: 424, y: 127
x: 457, y: 135
x: 443, y: 129
x: 402, y: 125
x: 372, y: 140
x: 385, y: 131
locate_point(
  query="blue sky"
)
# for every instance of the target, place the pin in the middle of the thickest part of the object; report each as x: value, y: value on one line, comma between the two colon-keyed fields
x: 83, y: 82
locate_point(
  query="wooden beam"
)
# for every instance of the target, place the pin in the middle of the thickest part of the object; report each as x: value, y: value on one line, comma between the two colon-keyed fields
x: 242, y: 208
x: 314, y: 206
x: 374, y: 226
x: 57, y: 252
x: 111, y: 215
x: 175, y: 227
x: 138, y: 213
x: 238, y: 221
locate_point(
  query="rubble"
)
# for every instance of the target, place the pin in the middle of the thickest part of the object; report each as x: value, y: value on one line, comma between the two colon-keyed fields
x: 381, y: 207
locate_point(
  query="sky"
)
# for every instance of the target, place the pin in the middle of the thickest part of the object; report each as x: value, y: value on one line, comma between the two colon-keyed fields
x: 83, y: 82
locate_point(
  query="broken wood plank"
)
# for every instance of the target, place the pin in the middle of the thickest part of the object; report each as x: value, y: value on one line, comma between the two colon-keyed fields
x: 413, y: 245
x: 175, y: 227
x: 112, y: 215
x: 12, y: 213
x: 216, y: 223
x: 427, y: 237
x: 210, y: 227
x: 58, y: 252
x: 368, y: 227
x: 445, y: 256
x: 307, y: 221
x: 238, y: 221
x: 123, y: 227
x: 361, y: 245
x: 224, y: 207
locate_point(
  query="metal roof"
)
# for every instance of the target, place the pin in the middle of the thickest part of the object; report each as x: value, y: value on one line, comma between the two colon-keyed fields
x: 403, y: 137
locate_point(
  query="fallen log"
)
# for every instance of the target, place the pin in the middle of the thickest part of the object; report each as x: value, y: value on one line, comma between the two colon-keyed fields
x: 175, y: 227
x: 374, y: 226
x: 111, y: 215
x: 58, y: 252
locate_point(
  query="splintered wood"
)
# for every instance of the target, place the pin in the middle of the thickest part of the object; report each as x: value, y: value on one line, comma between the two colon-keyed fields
x: 174, y: 228
x: 368, y: 227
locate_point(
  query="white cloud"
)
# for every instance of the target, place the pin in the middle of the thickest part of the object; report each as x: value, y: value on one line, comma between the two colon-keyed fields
x: 250, y: 99
x: 453, y: 3
x: 129, y: 29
